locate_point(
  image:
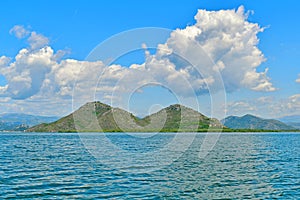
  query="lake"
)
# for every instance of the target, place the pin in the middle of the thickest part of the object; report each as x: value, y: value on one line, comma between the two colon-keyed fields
x: 73, y: 166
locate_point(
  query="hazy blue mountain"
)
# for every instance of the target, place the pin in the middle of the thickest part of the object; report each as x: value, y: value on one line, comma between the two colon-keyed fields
x: 12, y: 126
x: 293, y: 120
x: 20, y: 121
x: 253, y: 122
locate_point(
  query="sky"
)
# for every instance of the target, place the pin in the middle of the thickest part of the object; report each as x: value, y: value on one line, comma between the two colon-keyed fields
x: 219, y: 57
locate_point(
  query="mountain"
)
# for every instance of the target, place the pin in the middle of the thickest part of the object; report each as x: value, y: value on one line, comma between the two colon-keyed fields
x: 29, y: 120
x: 253, y: 122
x: 292, y: 120
x: 12, y: 126
x: 20, y: 122
x: 182, y: 118
x: 99, y: 117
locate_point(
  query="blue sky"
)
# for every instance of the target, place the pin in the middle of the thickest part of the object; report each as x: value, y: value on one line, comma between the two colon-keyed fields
x: 77, y: 27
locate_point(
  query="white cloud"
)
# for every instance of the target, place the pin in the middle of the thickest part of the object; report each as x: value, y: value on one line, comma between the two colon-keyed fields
x: 265, y: 100
x: 258, y: 81
x: 267, y: 107
x: 38, y: 73
x: 228, y: 39
x: 294, y: 102
x: 240, y: 107
x: 27, y: 73
x: 224, y: 36
x: 69, y: 71
x: 4, y: 61
x: 187, y: 63
x: 37, y: 40
x: 47, y: 107
x: 61, y: 53
x: 3, y: 89
x: 19, y: 31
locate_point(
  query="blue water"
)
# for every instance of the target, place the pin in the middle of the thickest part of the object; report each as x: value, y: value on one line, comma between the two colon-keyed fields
x: 61, y: 166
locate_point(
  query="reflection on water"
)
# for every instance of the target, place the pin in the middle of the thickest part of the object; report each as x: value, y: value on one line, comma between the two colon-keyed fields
x: 245, y: 166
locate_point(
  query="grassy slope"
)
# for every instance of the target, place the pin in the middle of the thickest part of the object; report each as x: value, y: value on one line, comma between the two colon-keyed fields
x: 98, y: 117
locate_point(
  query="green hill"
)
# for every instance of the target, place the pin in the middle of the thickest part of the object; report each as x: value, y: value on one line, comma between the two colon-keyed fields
x: 181, y: 118
x: 253, y: 122
x: 99, y: 117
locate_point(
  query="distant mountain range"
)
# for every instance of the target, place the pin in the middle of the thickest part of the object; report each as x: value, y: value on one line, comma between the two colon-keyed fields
x: 293, y: 120
x: 99, y: 117
x: 253, y: 122
x: 108, y: 119
x: 20, y: 122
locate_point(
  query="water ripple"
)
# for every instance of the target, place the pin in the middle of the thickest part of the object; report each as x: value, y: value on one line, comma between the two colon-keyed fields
x: 57, y: 166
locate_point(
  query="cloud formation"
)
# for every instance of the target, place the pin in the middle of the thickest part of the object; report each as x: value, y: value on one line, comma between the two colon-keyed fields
x: 39, y: 73
x: 35, y: 40
x: 27, y: 73
x: 219, y: 42
x: 266, y: 106
x: 19, y: 31
x: 230, y: 41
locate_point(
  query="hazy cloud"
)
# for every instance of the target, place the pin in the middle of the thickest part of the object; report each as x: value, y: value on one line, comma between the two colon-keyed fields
x: 238, y: 107
x: 4, y: 61
x: 37, y: 40
x: 269, y: 107
x: 19, y: 31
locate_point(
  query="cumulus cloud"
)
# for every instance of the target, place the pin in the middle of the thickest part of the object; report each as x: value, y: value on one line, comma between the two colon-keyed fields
x: 230, y: 41
x: 83, y: 73
x: 39, y: 73
x: 27, y: 73
x: 189, y: 62
x: 4, y: 61
x: 19, y: 31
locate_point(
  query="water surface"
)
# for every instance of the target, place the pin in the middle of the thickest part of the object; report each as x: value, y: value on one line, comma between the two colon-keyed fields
x: 58, y: 166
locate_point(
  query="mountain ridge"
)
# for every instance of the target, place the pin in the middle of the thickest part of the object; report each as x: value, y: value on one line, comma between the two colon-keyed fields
x: 292, y: 120
x: 249, y: 121
x: 99, y: 117
x: 21, y: 121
